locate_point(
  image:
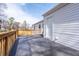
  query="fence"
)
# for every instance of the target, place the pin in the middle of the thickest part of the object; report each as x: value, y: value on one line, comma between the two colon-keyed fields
x: 24, y: 32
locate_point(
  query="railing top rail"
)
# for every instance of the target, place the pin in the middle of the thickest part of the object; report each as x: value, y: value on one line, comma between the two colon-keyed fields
x: 8, y: 33
x: 24, y: 29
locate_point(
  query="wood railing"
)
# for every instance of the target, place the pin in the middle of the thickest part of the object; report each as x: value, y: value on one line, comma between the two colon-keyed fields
x: 7, y: 39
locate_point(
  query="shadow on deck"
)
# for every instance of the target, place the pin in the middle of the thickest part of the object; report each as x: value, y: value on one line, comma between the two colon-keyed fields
x: 14, y: 48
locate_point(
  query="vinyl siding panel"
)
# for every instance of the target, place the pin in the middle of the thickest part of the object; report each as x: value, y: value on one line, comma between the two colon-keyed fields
x: 67, y: 14
x: 67, y: 34
x: 65, y: 25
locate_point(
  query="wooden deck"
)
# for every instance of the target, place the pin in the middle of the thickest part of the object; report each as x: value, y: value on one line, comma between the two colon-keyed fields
x: 8, y: 38
x: 39, y: 46
x: 30, y: 46
x: 33, y: 45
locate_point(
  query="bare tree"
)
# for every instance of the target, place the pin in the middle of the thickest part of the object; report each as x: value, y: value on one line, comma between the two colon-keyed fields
x: 3, y: 16
x: 24, y: 25
x: 16, y: 25
x: 11, y: 21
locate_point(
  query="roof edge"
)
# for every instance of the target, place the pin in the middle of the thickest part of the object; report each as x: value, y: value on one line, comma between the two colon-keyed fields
x: 38, y: 22
x: 55, y: 9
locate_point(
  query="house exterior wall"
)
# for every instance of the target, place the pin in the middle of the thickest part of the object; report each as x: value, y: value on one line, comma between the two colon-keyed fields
x: 48, y: 28
x: 65, y: 26
x: 38, y: 27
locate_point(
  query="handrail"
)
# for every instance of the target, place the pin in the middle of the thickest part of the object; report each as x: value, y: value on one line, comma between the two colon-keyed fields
x: 7, y: 39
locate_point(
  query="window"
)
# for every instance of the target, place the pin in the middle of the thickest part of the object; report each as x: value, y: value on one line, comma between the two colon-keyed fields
x: 34, y: 27
x: 39, y: 26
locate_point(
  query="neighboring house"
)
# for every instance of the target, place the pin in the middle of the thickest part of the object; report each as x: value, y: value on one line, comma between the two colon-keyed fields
x: 38, y: 27
x: 3, y: 16
x: 61, y: 25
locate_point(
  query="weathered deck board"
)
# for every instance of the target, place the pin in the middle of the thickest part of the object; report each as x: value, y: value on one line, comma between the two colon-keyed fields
x: 30, y: 46
x: 35, y: 46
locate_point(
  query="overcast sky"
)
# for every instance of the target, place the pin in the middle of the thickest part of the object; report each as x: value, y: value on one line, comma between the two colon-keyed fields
x: 31, y: 12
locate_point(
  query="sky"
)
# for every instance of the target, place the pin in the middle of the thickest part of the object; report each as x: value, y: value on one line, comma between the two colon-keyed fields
x: 31, y: 12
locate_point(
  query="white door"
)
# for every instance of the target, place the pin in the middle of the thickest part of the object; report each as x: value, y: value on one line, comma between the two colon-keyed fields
x: 48, y: 29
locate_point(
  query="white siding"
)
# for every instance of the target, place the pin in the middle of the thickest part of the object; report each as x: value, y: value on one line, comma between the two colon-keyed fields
x: 66, y: 25
x: 67, y: 14
x: 67, y: 34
